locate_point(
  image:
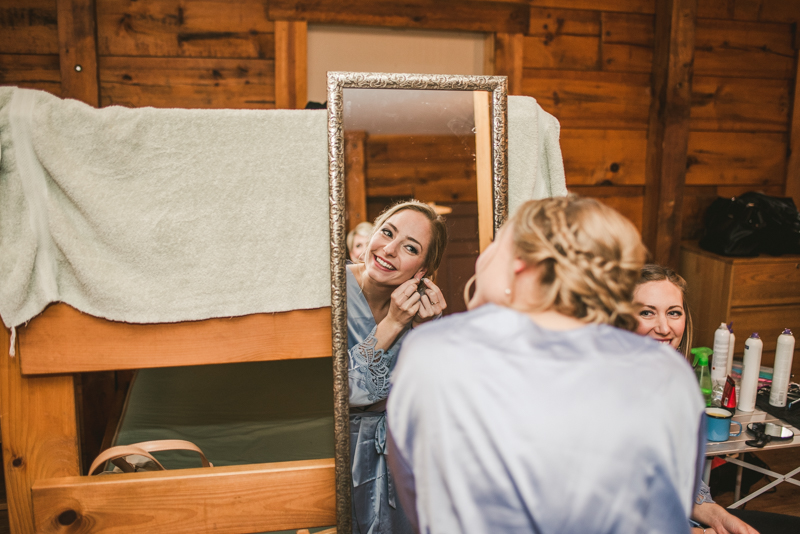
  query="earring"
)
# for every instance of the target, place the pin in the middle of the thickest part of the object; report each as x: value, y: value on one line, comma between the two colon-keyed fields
x: 468, y: 287
x: 508, y: 291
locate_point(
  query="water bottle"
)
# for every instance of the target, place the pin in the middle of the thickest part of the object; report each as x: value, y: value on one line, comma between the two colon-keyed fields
x: 751, y: 369
x: 703, y: 372
x: 719, y: 363
x: 783, y: 369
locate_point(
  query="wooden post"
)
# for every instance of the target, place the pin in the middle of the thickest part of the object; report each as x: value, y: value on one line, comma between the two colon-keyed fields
x: 483, y: 167
x: 668, y: 131
x: 355, y: 177
x: 77, y: 46
x: 508, y: 59
x: 40, y: 434
x: 291, y: 71
x: 793, y: 168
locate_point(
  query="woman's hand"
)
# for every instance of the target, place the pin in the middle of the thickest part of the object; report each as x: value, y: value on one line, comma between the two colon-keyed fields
x: 404, y: 304
x: 720, y: 520
x: 432, y: 303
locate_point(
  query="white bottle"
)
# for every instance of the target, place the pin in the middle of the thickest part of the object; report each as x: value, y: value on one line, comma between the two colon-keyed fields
x: 719, y: 363
x: 731, y: 346
x: 751, y: 369
x: 783, y: 369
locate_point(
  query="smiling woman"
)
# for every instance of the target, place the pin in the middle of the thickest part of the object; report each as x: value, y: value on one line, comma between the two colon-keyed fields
x: 660, y: 296
x: 388, y: 294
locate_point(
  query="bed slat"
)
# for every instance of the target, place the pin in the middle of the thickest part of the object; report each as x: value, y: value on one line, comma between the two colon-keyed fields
x: 234, y: 499
x: 63, y: 340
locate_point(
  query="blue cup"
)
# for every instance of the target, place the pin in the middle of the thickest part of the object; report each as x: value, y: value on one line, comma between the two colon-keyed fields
x: 718, y: 424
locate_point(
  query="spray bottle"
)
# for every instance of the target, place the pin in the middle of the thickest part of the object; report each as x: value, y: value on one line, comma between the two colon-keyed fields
x: 783, y: 369
x: 702, y: 371
x: 719, y: 363
x: 750, y: 371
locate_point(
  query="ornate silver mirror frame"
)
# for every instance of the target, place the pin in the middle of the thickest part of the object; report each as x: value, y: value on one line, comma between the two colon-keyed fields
x: 338, y: 81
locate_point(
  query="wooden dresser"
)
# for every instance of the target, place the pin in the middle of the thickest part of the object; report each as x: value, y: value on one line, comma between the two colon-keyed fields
x: 758, y: 294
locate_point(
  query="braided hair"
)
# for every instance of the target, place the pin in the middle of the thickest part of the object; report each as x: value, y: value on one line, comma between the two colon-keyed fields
x: 589, y: 256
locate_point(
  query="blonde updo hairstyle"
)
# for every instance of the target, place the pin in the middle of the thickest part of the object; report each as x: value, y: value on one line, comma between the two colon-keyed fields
x: 433, y: 258
x: 656, y: 273
x: 363, y: 229
x: 589, y: 256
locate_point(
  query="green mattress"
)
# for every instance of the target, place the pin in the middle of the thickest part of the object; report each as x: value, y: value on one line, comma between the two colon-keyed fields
x: 243, y: 413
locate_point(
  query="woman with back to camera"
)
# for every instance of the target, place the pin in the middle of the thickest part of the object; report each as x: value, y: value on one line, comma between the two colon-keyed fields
x: 663, y: 315
x: 389, y: 292
x: 539, y: 410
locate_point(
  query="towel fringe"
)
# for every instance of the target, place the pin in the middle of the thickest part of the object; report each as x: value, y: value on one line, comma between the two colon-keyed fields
x: 12, y: 351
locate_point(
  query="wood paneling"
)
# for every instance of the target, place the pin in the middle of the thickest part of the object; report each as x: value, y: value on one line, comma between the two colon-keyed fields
x: 668, y: 131
x: 429, y: 168
x: 563, y: 39
x: 77, y: 44
x: 774, y: 282
x: 625, y: 6
x: 604, y: 157
x: 31, y: 72
x: 627, y: 42
x: 187, y: 82
x: 28, y: 27
x: 474, y: 16
x: 508, y: 56
x: 355, y: 172
x: 176, y: 28
x: 291, y: 72
x: 740, y: 104
x: 231, y: 499
x: 53, y: 341
x: 628, y: 200
x: 39, y: 433
x: 792, y: 188
x: 598, y: 100
x: 744, y: 49
x: 733, y: 158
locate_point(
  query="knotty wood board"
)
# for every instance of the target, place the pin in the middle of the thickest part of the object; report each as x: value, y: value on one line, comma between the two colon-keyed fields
x: 355, y: 190
x: 77, y: 44
x: 740, y: 104
x: 596, y: 100
x: 736, y: 158
x: 508, y: 59
x: 28, y: 27
x: 473, y: 16
x: 187, y: 82
x: 628, y: 200
x: 173, y: 28
x: 591, y: 155
x: 39, y: 433
x: 626, y: 6
x: 31, y: 72
x: 63, y: 340
x: 251, y: 498
x: 291, y: 55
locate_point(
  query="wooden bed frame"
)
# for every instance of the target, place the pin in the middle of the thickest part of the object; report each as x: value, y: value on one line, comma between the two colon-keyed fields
x: 46, y: 492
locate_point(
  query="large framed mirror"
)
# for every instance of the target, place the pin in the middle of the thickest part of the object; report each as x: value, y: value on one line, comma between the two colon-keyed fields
x: 441, y: 139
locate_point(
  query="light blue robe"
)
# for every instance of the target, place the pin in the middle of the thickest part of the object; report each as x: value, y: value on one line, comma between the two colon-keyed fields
x: 499, y: 425
x: 375, y: 508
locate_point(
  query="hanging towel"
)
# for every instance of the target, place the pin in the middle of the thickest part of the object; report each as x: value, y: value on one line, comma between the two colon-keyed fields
x: 160, y: 215
x: 535, y: 166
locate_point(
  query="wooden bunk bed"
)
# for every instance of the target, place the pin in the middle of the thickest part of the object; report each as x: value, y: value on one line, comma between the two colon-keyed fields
x: 46, y: 492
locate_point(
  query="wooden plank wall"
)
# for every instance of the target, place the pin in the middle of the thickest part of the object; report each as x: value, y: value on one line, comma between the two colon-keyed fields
x: 166, y: 53
x: 589, y: 63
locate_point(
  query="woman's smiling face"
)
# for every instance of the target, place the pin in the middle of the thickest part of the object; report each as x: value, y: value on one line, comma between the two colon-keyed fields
x: 397, y: 250
x: 661, y: 314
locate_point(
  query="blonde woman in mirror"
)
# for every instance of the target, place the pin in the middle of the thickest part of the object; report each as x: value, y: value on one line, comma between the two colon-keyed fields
x: 663, y: 315
x: 357, y: 240
x: 539, y: 409
x: 388, y: 293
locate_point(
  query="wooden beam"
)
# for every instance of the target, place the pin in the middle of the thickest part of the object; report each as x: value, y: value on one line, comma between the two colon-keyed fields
x: 483, y: 167
x: 355, y: 175
x: 668, y: 131
x: 39, y: 433
x: 77, y: 44
x: 291, y: 71
x: 63, y: 340
x: 793, y: 167
x: 474, y: 16
x: 232, y: 499
x: 508, y: 48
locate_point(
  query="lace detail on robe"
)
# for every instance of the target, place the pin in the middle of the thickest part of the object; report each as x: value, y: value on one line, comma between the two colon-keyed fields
x: 375, y: 366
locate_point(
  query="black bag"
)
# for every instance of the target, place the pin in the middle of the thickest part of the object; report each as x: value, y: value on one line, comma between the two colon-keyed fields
x: 751, y: 224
